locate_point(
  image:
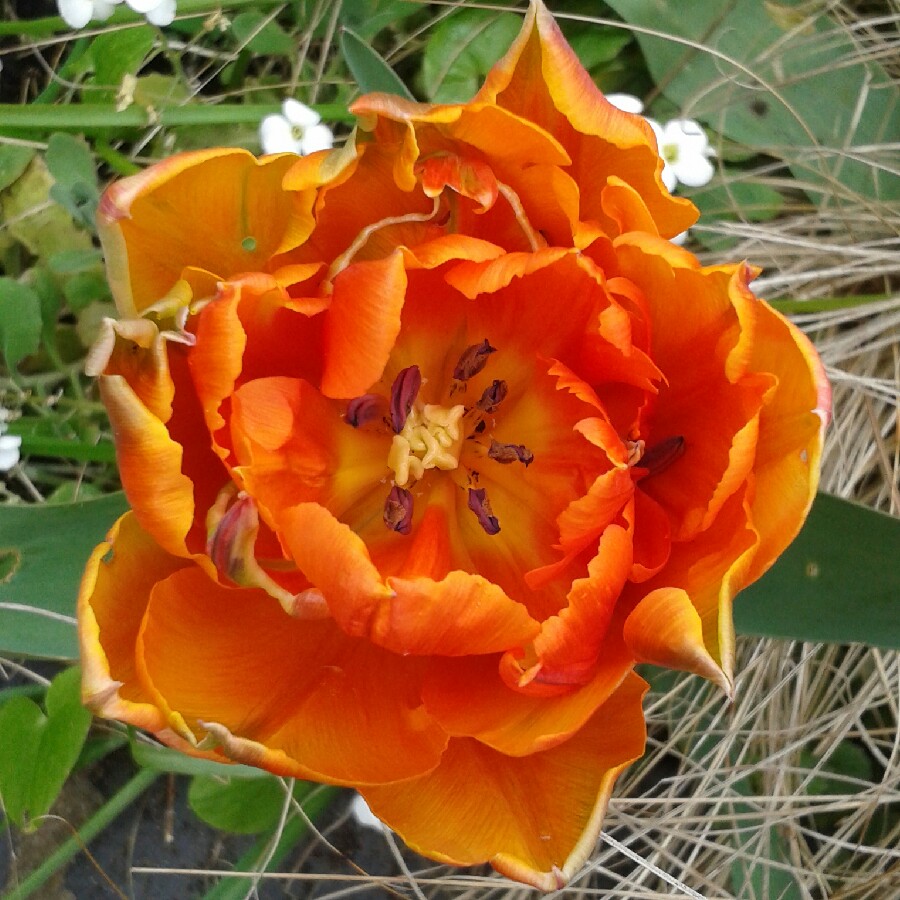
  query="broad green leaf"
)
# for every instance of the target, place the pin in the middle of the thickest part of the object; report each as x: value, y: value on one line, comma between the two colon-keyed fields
x: 85, y: 288
x: 20, y: 322
x: 369, y: 70
x: 116, y: 54
x: 839, y: 581
x: 268, y: 39
x: 47, y: 547
x: 731, y: 200
x: 761, y: 869
x: 13, y: 162
x: 238, y: 805
x: 809, y: 96
x: 38, y: 751
x: 461, y: 51
x: 367, y: 19
x: 70, y: 161
x: 70, y: 262
x: 162, y: 759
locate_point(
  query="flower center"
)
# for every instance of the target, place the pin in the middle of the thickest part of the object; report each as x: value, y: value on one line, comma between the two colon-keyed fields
x: 431, y: 438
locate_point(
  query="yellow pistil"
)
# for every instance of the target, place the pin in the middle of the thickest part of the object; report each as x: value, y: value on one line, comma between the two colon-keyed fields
x: 431, y: 439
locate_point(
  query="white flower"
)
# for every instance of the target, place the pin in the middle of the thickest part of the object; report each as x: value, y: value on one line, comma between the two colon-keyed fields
x: 685, y: 149
x: 626, y: 102
x: 77, y: 13
x: 297, y: 130
x: 682, y: 143
x: 9, y: 444
x: 364, y: 816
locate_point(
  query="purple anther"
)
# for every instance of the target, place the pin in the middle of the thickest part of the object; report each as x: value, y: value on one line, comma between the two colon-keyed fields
x: 493, y: 396
x: 473, y: 360
x: 404, y: 391
x: 363, y: 409
x: 661, y: 455
x: 481, y: 506
x: 398, y: 510
x: 510, y: 453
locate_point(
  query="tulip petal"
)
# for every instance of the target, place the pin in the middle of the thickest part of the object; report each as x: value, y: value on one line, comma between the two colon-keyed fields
x: 535, y: 818
x: 200, y: 639
x: 405, y: 615
x: 359, y: 336
x: 665, y: 629
x: 126, y: 565
x: 141, y: 221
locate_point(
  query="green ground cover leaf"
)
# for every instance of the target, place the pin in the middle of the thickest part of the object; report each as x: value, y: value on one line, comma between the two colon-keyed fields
x: 20, y: 322
x: 50, y: 545
x: 761, y: 80
x: 38, y: 750
x: 267, y: 38
x: 369, y: 70
x: 839, y: 581
x: 238, y: 805
x: 461, y: 51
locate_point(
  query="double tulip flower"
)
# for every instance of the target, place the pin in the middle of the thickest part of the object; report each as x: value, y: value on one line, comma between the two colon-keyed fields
x: 427, y: 441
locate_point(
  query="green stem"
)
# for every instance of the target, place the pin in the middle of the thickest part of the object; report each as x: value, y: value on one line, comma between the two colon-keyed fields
x: 38, y: 445
x: 94, y: 825
x: 233, y: 888
x: 100, y: 116
x: 124, y: 16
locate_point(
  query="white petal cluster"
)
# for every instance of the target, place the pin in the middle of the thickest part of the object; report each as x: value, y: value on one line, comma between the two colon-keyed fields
x: 683, y: 146
x: 9, y: 444
x: 298, y: 129
x: 77, y: 13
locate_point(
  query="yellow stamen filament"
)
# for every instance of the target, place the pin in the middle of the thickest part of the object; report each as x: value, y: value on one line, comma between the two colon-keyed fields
x: 431, y: 439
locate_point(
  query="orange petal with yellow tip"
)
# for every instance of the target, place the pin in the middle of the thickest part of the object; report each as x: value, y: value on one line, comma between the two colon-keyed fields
x: 791, y: 434
x: 146, y: 221
x: 127, y: 564
x: 359, y: 336
x: 150, y: 467
x: 665, y: 629
x: 541, y: 79
x: 405, y: 615
x: 534, y: 818
x: 199, y: 640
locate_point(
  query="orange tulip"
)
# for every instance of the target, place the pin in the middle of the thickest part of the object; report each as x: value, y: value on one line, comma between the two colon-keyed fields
x: 428, y: 440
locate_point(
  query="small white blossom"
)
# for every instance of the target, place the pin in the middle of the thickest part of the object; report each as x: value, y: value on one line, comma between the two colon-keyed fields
x: 297, y: 130
x: 77, y: 13
x: 685, y: 149
x: 364, y: 816
x: 9, y: 444
x: 626, y: 102
x: 682, y: 143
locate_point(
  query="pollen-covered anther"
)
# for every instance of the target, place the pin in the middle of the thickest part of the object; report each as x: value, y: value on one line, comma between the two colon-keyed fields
x: 404, y: 391
x: 635, y: 451
x: 430, y: 439
x: 662, y: 454
x: 361, y: 410
x: 510, y: 453
x: 471, y: 361
x: 481, y: 506
x: 398, y: 510
x: 492, y: 396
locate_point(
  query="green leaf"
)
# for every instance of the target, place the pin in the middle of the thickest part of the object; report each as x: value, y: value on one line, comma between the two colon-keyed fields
x: 268, y: 39
x: 70, y: 161
x: 461, y: 51
x: 238, y: 805
x: 70, y: 262
x: 47, y: 547
x: 162, y: 759
x: 811, y: 96
x: 13, y: 162
x: 38, y: 751
x: 20, y: 321
x: 369, y: 70
x: 85, y: 288
x: 837, y: 582
x: 367, y: 19
x: 116, y: 54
